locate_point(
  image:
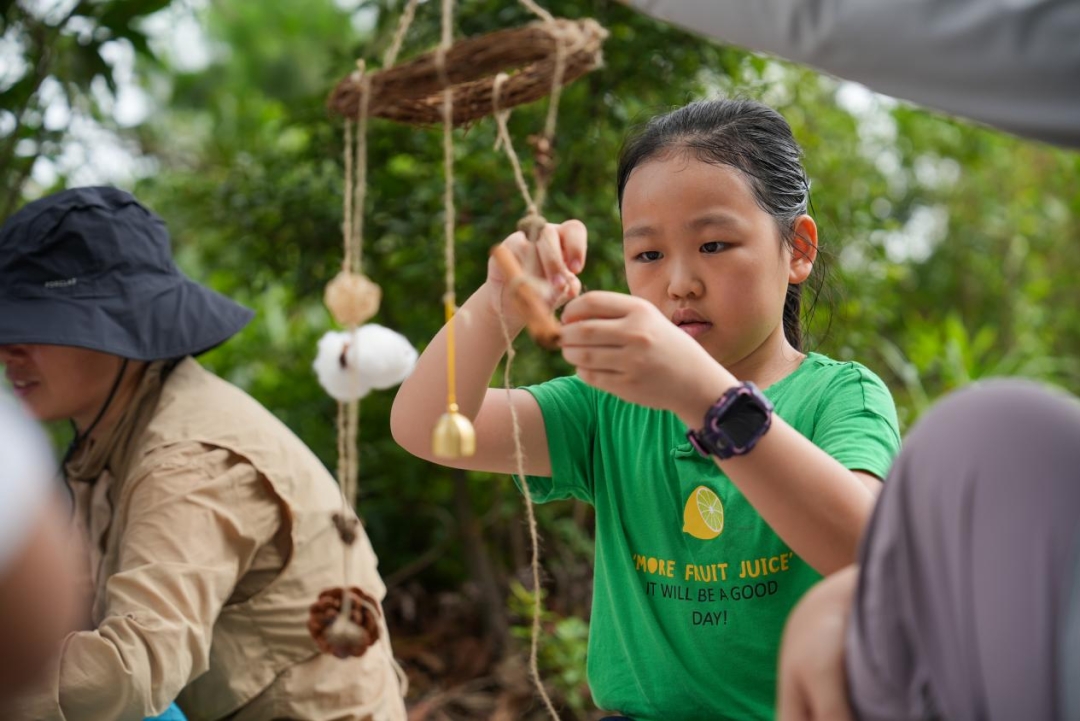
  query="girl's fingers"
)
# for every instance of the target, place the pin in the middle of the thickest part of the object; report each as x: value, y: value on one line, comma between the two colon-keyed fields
x: 599, y: 304
x: 595, y: 358
x: 549, y: 252
x: 604, y: 380
x: 574, y: 238
x: 593, y: 332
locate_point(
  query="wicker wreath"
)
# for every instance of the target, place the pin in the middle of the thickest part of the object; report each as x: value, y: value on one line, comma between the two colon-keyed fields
x: 412, y: 92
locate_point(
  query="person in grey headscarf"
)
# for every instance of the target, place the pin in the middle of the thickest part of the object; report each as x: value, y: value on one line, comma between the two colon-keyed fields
x: 1011, y: 64
x: 965, y: 601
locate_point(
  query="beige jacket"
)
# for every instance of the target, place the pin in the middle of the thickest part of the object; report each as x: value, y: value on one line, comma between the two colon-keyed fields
x: 203, y: 565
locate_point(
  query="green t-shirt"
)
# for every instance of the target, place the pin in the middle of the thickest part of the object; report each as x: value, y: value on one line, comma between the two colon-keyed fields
x: 691, y: 586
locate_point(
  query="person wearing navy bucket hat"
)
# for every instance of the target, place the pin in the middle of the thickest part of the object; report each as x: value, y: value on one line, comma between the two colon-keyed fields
x: 207, y: 521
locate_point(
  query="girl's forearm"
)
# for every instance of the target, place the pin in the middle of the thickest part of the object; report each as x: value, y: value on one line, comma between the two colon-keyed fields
x: 816, y: 505
x: 480, y: 346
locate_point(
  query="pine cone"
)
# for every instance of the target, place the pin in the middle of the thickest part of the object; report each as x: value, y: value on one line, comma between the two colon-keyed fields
x: 344, y: 637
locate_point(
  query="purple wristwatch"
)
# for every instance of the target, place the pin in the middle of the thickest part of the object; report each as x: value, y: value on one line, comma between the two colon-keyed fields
x: 734, y: 424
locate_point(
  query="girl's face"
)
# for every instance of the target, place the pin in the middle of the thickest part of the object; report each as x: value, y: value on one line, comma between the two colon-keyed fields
x: 59, y: 382
x: 698, y: 246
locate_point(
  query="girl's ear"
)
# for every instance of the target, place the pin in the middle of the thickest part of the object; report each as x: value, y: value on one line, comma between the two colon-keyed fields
x: 804, y: 249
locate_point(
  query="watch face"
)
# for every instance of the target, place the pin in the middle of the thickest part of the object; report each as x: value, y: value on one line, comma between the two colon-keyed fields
x: 734, y: 424
x: 743, y: 420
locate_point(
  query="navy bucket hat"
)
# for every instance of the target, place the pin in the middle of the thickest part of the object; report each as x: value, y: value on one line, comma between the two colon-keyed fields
x: 92, y: 268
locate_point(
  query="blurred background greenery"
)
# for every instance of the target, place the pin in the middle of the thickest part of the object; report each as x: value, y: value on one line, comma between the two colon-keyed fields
x: 949, y: 251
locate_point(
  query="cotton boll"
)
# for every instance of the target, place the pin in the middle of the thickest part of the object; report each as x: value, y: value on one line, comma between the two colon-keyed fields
x: 336, y: 367
x: 385, y: 357
x: 350, y: 365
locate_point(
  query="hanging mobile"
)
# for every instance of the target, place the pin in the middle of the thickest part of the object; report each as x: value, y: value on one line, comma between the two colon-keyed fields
x: 457, y: 84
x: 345, y: 621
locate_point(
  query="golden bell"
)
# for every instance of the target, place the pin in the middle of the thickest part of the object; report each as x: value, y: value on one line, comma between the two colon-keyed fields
x: 352, y: 298
x: 454, y: 436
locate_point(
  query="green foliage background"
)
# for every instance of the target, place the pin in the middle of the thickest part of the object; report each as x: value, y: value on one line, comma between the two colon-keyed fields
x: 249, y: 178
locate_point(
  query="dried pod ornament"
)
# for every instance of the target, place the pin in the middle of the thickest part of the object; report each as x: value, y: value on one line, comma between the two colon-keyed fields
x: 347, y: 527
x: 352, y: 298
x: 344, y: 622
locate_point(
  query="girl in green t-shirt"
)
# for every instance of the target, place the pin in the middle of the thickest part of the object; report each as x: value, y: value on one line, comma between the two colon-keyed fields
x: 717, y: 504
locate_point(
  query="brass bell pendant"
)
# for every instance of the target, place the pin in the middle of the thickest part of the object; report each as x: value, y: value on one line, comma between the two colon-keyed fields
x: 454, y: 435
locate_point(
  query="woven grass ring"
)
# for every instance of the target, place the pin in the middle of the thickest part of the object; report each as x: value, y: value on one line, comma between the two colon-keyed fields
x: 412, y: 92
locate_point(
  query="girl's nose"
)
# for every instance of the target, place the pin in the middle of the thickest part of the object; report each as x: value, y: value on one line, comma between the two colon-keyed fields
x: 684, y: 282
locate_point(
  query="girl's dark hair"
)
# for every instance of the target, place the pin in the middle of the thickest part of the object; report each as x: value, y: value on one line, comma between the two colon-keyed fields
x: 745, y: 135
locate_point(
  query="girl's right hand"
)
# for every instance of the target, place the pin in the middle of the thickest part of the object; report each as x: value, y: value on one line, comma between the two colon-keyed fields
x: 553, y: 261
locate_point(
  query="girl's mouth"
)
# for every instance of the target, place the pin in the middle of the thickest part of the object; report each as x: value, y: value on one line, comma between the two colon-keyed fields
x: 695, y: 329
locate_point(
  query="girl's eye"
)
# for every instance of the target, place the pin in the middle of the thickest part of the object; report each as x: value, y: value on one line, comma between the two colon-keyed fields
x: 648, y: 256
x: 713, y: 247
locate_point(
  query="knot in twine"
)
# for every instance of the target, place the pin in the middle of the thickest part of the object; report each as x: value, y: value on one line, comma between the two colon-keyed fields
x: 532, y: 225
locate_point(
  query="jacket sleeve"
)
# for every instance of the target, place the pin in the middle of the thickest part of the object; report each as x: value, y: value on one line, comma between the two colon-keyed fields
x: 193, y: 523
x: 1012, y: 64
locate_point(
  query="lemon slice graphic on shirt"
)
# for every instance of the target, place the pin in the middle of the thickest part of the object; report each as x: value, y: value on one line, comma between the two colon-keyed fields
x: 703, y: 515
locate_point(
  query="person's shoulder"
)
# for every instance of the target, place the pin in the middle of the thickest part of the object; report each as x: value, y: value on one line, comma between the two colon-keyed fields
x: 567, y: 384
x: 197, y: 406
x: 563, y: 389
x: 849, y: 382
x: 571, y: 389
x: 833, y: 371
x: 191, y: 386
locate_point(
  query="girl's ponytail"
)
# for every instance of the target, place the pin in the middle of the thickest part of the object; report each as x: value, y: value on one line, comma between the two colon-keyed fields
x: 793, y: 316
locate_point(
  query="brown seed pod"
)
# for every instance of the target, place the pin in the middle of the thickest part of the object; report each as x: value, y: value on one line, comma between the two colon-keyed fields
x: 337, y: 635
x: 346, y: 528
x: 352, y: 298
x: 539, y: 319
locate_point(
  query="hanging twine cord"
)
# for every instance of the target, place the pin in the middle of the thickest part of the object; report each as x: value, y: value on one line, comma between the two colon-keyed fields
x: 501, y: 118
x: 530, y: 515
x: 347, y: 196
x: 449, y: 300
x: 348, y: 413
x: 532, y: 225
x: 404, y: 23
x: 547, y: 140
x: 354, y: 198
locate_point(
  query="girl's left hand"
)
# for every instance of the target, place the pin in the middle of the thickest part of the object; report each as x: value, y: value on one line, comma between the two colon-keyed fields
x: 624, y: 345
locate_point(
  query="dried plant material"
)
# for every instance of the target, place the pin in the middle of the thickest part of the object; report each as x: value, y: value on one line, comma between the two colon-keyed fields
x: 349, y: 364
x: 352, y: 298
x: 344, y: 636
x: 539, y: 318
x: 346, y: 527
x: 412, y: 92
